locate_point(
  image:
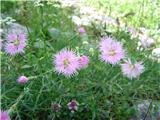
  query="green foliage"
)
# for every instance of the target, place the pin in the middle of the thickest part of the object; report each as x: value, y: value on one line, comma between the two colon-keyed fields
x: 101, y: 89
x: 140, y: 13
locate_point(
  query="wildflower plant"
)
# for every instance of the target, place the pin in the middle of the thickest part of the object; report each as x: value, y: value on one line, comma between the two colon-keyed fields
x: 111, y: 50
x: 132, y: 70
x: 15, y: 43
x: 64, y: 69
x: 66, y: 62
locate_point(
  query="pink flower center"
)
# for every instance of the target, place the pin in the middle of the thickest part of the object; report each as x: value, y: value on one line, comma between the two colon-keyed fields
x: 66, y: 63
x: 132, y: 66
x: 16, y: 42
x: 112, y: 52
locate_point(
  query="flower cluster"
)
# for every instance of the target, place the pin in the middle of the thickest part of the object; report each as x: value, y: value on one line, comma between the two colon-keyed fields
x: 142, y: 34
x: 68, y: 63
x: 112, y: 52
x: 72, y: 106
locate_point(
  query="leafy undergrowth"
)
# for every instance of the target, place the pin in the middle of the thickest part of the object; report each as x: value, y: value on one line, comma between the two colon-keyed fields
x: 101, y: 89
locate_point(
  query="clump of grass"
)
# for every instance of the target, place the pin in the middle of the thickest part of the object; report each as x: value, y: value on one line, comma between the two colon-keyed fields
x: 100, y: 90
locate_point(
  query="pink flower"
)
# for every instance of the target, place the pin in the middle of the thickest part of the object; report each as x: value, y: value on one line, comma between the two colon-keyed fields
x: 132, y: 70
x: 73, y: 105
x: 66, y: 62
x: 132, y: 32
x: 81, y: 30
x: 4, y: 115
x: 146, y: 41
x: 111, y: 51
x: 15, y: 43
x: 22, y: 79
x: 83, y: 61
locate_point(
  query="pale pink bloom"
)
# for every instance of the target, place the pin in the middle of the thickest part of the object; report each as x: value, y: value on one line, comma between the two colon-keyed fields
x: 83, y: 61
x: 22, y: 80
x: 132, y: 70
x: 66, y: 62
x: 146, y: 41
x: 132, y: 32
x: 81, y: 30
x: 111, y: 51
x: 4, y: 115
x: 15, y: 43
x: 73, y: 105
